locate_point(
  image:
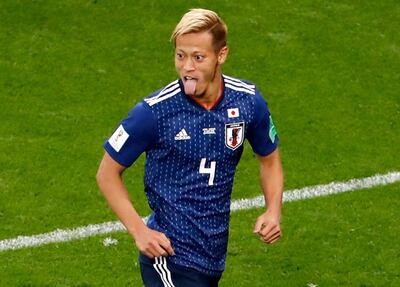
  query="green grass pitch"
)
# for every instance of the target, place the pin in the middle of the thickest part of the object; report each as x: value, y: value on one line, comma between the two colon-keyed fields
x: 70, y: 70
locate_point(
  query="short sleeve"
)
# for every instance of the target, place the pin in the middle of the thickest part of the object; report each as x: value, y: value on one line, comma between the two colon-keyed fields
x: 262, y: 134
x: 134, y: 135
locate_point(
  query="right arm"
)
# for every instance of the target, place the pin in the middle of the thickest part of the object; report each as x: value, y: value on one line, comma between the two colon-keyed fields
x: 109, y: 178
x: 135, y: 134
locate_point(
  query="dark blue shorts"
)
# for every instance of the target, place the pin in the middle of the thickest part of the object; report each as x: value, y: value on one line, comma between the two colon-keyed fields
x: 161, y: 272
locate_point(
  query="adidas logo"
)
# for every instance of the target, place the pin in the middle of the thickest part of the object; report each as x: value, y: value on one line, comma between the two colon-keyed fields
x: 182, y: 135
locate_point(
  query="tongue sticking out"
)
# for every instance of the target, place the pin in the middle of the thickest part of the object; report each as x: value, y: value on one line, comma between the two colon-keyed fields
x: 190, y: 87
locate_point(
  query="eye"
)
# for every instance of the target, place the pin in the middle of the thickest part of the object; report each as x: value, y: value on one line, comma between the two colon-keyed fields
x: 199, y: 58
x: 179, y: 56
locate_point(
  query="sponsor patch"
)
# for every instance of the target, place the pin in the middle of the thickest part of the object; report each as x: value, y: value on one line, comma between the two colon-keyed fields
x: 272, y: 130
x: 234, y: 135
x: 233, y: 113
x: 118, y: 138
x: 209, y: 131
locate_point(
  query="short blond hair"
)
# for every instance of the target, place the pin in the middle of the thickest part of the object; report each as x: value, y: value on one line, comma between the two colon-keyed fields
x: 200, y: 20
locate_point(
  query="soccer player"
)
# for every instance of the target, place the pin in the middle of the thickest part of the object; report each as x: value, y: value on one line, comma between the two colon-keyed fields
x: 192, y: 131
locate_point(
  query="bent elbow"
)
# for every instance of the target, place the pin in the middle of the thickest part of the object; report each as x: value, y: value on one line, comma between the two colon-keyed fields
x: 100, y: 177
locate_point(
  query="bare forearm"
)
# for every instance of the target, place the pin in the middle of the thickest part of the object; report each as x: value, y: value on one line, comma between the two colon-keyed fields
x: 272, y: 186
x: 117, y: 197
x: 271, y: 175
x: 109, y: 178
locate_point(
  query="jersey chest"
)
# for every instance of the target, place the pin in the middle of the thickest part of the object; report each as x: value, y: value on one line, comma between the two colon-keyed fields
x: 196, y: 134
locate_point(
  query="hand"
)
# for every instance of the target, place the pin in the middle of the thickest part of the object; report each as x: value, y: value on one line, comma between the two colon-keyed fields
x: 153, y: 243
x: 268, y: 227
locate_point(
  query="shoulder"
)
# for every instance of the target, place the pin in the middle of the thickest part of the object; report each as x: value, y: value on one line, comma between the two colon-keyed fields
x: 244, y: 87
x: 163, y: 94
x: 244, y: 90
x: 239, y: 85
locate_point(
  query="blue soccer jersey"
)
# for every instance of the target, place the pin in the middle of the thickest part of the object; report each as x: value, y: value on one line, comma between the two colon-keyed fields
x: 191, y: 158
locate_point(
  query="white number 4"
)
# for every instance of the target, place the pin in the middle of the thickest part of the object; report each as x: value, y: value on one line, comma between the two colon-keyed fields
x: 210, y: 170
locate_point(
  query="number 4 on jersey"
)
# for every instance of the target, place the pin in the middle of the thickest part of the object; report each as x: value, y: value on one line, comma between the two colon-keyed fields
x: 210, y: 170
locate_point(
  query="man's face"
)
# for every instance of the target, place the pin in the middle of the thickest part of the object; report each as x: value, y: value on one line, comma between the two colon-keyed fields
x: 197, y: 63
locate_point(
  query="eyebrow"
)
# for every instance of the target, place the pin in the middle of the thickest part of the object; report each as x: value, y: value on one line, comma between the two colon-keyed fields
x: 194, y: 52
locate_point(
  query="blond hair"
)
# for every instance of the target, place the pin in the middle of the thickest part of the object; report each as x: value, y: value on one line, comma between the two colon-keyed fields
x: 202, y: 20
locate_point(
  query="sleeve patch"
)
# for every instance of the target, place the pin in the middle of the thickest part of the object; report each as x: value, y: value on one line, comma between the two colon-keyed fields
x: 118, y: 138
x: 272, y: 130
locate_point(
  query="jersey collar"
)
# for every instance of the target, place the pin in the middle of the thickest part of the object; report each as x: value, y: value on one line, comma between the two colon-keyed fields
x: 196, y: 102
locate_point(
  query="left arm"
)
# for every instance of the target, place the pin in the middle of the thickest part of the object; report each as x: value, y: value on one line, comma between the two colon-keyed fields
x: 271, y: 175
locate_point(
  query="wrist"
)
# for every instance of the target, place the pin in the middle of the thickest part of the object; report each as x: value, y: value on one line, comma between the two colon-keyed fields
x: 273, y: 212
x: 136, y: 228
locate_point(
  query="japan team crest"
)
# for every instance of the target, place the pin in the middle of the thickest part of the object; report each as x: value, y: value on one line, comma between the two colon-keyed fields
x: 234, y: 135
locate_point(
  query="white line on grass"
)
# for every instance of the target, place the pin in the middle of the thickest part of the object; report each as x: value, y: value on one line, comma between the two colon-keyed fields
x: 63, y: 235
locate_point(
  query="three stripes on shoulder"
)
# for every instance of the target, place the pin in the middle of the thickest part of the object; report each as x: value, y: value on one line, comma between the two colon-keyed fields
x: 173, y: 88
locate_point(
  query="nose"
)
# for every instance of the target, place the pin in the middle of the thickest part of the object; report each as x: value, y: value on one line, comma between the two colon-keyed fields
x: 188, y: 64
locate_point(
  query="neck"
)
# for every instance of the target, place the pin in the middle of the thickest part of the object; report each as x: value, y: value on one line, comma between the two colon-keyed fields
x: 213, y: 92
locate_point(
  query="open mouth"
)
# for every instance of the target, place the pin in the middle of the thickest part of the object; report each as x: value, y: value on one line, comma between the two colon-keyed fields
x: 188, y: 78
x: 190, y: 85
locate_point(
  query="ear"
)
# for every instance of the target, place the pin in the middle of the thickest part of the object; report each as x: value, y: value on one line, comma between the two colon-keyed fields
x: 222, y: 55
